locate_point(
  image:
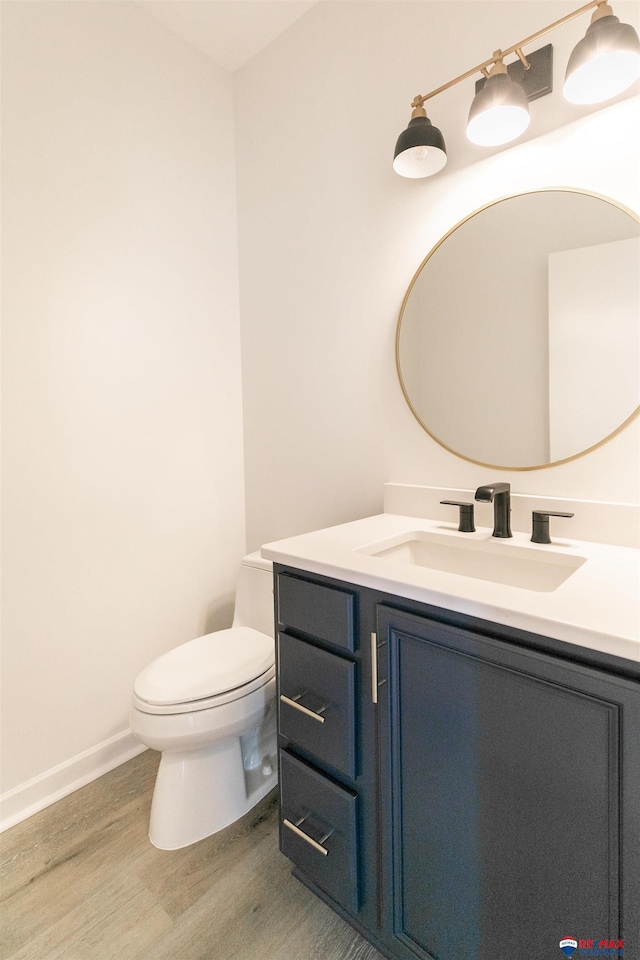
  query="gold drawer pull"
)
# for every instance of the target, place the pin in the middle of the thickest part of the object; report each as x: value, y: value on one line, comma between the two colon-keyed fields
x: 298, y: 706
x: 304, y: 836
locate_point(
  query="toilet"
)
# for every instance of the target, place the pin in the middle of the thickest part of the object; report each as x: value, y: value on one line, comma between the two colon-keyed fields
x: 209, y: 707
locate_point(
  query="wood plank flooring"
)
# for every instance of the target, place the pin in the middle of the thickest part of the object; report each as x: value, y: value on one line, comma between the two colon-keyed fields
x: 80, y: 881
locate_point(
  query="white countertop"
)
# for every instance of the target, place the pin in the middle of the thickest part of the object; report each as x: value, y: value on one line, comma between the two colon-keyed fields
x: 597, y: 607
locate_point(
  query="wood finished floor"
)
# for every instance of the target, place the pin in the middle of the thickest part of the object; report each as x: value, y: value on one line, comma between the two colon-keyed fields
x: 80, y: 881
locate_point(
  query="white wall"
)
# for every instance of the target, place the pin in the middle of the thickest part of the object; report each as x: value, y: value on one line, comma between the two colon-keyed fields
x: 330, y: 238
x: 597, y: 287
x: 123, y: 464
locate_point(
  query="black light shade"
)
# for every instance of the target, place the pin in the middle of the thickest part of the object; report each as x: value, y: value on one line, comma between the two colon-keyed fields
x: 499, y: 112
x: 604, y: 63
x: 420, y: 150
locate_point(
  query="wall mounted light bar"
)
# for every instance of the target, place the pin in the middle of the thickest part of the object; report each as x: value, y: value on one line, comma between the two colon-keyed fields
x: 603, y: 64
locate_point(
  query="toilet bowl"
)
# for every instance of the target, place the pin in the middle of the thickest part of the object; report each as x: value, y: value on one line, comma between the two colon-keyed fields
x: 209, y: 707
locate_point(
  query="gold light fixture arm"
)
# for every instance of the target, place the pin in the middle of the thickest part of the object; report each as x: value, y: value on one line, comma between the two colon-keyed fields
x: 419, y: 100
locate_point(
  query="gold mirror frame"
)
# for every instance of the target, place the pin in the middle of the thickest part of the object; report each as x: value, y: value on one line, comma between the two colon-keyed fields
x: 486, y: 206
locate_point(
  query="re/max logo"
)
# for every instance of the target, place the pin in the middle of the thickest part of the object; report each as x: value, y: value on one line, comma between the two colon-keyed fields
x: 601, y: 944
x: 592, y: 947
x: 601, y: 948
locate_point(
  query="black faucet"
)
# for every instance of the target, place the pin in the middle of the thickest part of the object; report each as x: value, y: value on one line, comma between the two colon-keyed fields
x: 500, y: 494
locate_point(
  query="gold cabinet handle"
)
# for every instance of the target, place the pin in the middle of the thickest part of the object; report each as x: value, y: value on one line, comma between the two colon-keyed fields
x: 298, y: 706
x: 300, y: 833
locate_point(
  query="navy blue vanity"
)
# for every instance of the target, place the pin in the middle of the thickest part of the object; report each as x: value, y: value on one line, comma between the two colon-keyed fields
x: 455, y: 788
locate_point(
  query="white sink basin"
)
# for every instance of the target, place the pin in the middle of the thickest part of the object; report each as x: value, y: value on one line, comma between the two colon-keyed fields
x: 486, y: 558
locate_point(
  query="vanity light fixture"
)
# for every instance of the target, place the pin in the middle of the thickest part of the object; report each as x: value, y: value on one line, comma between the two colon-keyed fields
x: 603, y: 64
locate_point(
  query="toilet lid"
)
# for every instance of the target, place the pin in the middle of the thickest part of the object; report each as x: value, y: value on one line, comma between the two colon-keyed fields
x: 207, y: 666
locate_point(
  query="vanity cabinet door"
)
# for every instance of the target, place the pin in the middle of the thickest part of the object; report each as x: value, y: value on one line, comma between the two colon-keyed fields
x: 510, y: 805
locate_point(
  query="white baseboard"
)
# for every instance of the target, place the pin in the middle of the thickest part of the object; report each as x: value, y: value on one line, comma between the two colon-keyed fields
x: 40, y: 792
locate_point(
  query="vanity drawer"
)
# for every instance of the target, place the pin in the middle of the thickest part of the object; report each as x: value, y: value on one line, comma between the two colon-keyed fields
x: 316, y: 610
x: 318, y: 829
x: 316, y: 705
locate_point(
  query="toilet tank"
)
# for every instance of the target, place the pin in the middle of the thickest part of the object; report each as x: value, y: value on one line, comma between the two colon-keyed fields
x: 254, y: 594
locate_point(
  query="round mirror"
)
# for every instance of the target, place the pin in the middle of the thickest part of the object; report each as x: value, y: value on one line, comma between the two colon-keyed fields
x: 518, y: 343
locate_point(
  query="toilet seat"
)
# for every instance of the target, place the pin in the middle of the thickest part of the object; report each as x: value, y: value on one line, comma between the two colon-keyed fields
x: 207, y: 671
x: 206, y: 703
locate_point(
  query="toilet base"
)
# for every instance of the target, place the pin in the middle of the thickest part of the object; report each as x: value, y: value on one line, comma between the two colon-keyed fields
x: 199, y: 792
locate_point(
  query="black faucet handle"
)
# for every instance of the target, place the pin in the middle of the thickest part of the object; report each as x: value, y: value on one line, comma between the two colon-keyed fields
x: 540, y: 532
x: 465, y: 524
